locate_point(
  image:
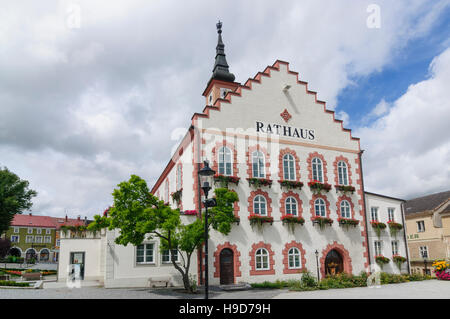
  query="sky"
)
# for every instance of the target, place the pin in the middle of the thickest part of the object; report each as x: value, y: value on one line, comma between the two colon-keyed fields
x: 94, y: 91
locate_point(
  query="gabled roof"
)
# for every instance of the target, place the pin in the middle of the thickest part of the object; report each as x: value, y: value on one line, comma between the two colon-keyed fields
x: 27, y: 220
x: 426, y: 203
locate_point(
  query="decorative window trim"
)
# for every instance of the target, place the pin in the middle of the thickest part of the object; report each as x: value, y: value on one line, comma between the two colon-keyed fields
x: 283, y: 199
x: 313, y: 208
x: 249, y: 156
x: 252, y: 254
x: 336, y: 170
x: 338, y: 206
x: 215, y: 156
x: 251, y: 199
x: 324, y: 166
x: 236, y: 260
x: 287, y: 247
x: 346, y: 260
x: 284, y: 152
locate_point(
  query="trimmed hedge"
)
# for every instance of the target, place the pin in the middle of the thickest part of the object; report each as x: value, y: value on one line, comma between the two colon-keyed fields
x: 10, y: 283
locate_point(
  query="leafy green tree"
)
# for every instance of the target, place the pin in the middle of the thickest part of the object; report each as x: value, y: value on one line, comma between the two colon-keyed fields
x: 140, y: 215
x: 15, y: 197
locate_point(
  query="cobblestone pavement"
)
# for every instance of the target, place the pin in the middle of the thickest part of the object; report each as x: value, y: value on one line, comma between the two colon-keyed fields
x: 424, y: 289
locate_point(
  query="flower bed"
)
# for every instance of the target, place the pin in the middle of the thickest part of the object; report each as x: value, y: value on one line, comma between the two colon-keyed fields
x: 345, y: 189
x: 442, y: 269
x: 225, y: 180
x: 291, y: 221
x: 377, y: 226
x: 381, y: 260
x: 394, y: 227
x: 322, y: 221
x: 348, y: 222
x: 316, y: 186
x: 259, y: 221
x: 257, y: 182
x: 291, y: 184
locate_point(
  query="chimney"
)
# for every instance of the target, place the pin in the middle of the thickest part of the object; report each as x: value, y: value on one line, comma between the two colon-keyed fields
x: 66, y: 218
x: 31, y: 214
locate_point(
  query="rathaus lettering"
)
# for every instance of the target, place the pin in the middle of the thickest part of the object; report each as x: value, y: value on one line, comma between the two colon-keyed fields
x: 283, y: 130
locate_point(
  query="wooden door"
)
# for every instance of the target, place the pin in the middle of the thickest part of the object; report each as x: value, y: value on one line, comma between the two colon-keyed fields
x: 226, y: 267
x: 333, y: 263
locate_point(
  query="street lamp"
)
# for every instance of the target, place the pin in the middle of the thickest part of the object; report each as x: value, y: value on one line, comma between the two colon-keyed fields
x: 317, y: 263
x: 425, y: 264
x: 206, y: 174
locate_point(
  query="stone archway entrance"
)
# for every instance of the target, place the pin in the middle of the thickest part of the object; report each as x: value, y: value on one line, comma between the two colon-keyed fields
x: 334, y: 263
x: 15, y: 252
x: 226, y: 267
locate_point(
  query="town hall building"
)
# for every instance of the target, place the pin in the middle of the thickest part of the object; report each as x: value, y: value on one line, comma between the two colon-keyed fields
x: 298, y: 175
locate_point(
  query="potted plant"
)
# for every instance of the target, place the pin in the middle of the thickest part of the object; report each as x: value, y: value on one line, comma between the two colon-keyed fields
x: 322, y: 221
x: 258, y: 182
x: 345, y: 188
x: 291, y: 221
x: 316, y: 186
x: 291, y: 184
x: 348, y: 222
x: 225, y: 180
x: 394, y: 227
x: 176, y: 196
x: 259, y: 221
x: 398, y: 260
x: 381, y: 260
x: 377, y: 226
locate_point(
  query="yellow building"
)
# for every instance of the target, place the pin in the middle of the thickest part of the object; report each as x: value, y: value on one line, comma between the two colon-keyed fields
x: 428, y: 230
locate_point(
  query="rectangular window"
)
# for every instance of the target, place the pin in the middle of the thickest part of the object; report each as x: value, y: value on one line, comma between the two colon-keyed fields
x: 166, y: 256
x: 39, y: 231
x: 16, y: 230
x: 47, y: 239
x: 48, y: 231
x: 58, y: 242
x: 179, y: 168
x: 30, y: 230
x: 29, y: 239
x: 14, y: 238
x: 38, y: 239
x: 374, y: 213
x: 423, y: 250
x: 395, y: 247
x: 145, y: 254
x: 378, y: 247
x: 391, y: 213
x: 420, y: 226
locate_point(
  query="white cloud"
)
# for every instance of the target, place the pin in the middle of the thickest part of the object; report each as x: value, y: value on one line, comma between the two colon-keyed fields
x: 408, y: 149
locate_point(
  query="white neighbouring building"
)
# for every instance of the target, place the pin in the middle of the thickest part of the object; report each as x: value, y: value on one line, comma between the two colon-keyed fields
x: 268, y: 133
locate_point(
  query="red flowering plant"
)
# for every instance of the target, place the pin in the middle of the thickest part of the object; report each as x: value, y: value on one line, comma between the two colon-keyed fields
x: 381, y: 260
x: 322, y: 221
x: 345, y: 188
x: 257, y: 182
x: 317, y: 186
x: 224, y: 180
x: 394, y: 227
x: 399, y: 260
x: 189, y: 213
x: 291, y: 221
x: 291, y: 184
x: 348, y: 222
x: 377, y: 226
x: 259, y: 221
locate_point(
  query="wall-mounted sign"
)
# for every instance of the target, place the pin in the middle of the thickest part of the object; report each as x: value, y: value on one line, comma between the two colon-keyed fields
x: 284, y: 130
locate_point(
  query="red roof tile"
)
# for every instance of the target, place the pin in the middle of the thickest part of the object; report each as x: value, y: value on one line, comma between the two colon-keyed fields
x: 28, y: 220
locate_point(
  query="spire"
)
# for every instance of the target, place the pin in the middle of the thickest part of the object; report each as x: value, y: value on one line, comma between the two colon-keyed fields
x: 220, y: 70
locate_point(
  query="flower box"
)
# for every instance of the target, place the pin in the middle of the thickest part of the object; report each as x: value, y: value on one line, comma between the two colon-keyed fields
x: 291, y: 221
x: 381, y: 260
x: 291, y: 184
x: 378, y: 227
x: 224, y: 180
x: 322, y: 221
x: 348, y: 222
x: 316, y: 187
x: 189, y: 213
x: 345, y: 189
x: 259, y: 221
x: 394, y: 227
x: 398, y: 260
x: 176, y: 196
x: 257, y: 182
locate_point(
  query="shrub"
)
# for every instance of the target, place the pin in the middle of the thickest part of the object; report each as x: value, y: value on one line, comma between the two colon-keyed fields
x: 14, y: 283
x: 308, y: 280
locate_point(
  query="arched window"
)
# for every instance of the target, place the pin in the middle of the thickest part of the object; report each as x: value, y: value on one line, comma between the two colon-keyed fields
x: 289, y: 167
x: 225, y: 161
x: 166, y: 199
x: 262, y: 259
x: 179, y: 184
x: 342, y: 173
x: 44, y: 255
x: 345, y: 209
x: 319, y: 207
x: 294, y: 258
x: 260, y: 205
x: 291, y: 206
x: 258, y: 164
x: 317, y: 170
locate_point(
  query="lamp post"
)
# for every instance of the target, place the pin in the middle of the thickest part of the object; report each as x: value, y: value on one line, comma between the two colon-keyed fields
x: 317, y: 262
x: 425, y: 264
x: 206, y: 174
